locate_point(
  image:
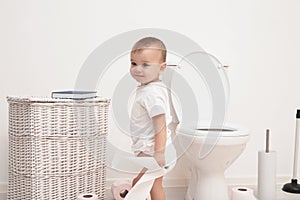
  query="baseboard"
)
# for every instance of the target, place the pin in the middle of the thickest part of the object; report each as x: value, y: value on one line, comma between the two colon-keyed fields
x: 3, y: 191
x: 250, y: 182
x: 168, y: 182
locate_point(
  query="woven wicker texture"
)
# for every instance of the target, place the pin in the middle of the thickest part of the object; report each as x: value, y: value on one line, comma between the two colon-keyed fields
x: 57, y: 148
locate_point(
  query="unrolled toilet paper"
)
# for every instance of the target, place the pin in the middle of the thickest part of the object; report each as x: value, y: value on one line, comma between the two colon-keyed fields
x: 120, y: 189
x: 141, y: 189
x: 266, y: 186
x: 242, y: 193
x: 88, y: 196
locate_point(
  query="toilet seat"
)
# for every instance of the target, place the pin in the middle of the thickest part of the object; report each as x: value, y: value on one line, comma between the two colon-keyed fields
x: 189, y: 136
x: 227, y: 130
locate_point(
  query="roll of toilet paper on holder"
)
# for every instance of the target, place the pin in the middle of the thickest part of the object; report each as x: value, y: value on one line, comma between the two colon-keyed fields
x: 88, y: 196
x: 266, y: 185
x: 120, y: 189
x: 242, y: 193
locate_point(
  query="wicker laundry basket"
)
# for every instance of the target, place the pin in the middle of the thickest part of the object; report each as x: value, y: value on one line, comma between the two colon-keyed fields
x: 57, y: 147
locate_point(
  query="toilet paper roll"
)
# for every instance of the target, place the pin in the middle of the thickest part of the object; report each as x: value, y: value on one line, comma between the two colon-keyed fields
x: 242, y: 193
x: 120, y: 189
x: 88, y: 196
x: 266, y: 185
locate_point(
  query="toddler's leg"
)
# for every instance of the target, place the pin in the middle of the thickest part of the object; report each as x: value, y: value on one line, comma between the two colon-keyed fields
x: 142, y: 172
x: 139, y: 176
x: 157, y: 192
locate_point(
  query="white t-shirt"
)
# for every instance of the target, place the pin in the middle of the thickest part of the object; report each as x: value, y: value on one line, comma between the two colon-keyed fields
x: 150, y: 100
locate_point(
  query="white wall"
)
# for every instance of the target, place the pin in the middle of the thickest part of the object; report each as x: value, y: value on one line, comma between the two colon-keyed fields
x: 44, y: 44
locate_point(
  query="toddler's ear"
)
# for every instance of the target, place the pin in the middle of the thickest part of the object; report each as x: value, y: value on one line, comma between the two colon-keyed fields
x: 163, y: 66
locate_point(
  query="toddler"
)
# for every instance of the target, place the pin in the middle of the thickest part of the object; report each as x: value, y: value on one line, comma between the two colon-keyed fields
x: 151, y: 111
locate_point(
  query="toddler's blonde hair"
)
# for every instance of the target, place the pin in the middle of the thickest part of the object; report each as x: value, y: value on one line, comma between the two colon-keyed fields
x: 150, y: 43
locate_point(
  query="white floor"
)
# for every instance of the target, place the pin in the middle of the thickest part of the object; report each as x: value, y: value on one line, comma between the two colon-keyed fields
x: 178, y: 194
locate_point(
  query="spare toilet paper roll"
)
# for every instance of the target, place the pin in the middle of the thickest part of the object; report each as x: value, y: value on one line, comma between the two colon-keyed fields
x: 266, y: 186
x: 242, y: 193
x: 120, y: 189
x: 88, y: 196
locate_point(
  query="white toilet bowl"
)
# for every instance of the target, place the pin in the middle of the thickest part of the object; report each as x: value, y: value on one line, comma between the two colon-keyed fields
x: 210, y: 157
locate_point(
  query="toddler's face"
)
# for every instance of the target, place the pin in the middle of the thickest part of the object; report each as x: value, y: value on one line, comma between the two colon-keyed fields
x: 146, y: 65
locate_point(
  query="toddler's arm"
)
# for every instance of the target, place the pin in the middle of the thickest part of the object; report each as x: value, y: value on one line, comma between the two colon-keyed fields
x: 159, y: 123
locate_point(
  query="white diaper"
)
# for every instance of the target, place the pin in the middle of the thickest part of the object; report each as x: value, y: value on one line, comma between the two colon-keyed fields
x: 170, y: 153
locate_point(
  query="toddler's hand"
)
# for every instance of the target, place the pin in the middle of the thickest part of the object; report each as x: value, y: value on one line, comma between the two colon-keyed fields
x: 160, y: 158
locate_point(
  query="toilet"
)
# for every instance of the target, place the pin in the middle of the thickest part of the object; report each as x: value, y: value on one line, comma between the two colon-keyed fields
x: 209, y: 147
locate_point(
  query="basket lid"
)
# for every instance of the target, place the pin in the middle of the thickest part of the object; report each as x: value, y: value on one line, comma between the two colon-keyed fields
x: 32, y: 99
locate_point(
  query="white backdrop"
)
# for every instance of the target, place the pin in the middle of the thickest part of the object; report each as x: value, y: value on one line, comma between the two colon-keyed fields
x: 44, y: 44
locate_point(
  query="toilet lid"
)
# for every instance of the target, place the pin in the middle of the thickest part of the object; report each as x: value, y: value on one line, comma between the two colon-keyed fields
x: 198, y: 90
